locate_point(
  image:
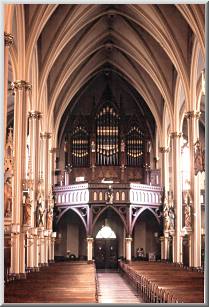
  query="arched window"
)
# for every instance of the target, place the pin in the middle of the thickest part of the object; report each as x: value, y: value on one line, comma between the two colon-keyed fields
x: 107, y: 136
x: 106, y: 233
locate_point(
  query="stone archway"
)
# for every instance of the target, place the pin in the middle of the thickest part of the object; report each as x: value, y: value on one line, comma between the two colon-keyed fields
x: 108, y: 245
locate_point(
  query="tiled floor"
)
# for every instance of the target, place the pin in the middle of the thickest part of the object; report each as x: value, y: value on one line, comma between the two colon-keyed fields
x: 113, y: 288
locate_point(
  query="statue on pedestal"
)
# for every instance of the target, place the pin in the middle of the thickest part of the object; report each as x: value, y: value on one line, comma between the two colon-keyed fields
x: 49, y: 218
x: 188, y: 211
x: 40, y: 213
x: 27, y: 209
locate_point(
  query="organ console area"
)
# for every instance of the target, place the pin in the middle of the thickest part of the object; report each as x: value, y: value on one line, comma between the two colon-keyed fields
x: 106, y: 144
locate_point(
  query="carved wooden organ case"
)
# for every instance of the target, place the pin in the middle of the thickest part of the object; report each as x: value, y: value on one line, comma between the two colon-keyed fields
x: 107, y: 138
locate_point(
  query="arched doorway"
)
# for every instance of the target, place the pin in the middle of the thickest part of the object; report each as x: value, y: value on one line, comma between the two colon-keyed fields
x: 146, y: 235
x: 71, y: 238
x: 108, y: 240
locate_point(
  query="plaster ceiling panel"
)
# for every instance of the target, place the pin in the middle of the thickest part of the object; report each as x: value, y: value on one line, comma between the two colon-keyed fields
x: 74, y: 50
x: 52, y: 29
x: 179, y: 29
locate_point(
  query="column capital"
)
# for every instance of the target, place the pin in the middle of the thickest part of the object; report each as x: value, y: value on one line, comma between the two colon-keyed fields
x: 192, y: 114
x: 35, y: 115
x: 21, y: 84
x: 164, y: 149
x: 90, y: 239
x: 8, y: 39
x: 128, y: 239
x: 46, y: 135
x: 53, y: 150
x: 176, y: 134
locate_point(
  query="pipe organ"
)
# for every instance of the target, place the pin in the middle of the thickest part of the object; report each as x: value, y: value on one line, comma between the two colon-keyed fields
x: 135, y: 147
x: 107, y: 136
x: 80, y: 147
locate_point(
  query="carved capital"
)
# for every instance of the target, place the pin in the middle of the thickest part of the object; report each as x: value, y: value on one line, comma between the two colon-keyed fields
x: 192, y: 114
x: 164, y: 149
x: 35, y: 115
x: 176, y: 134
x: 8, y: 39
x: 46, y: 135
x: 53, y: 150
x: 21, y: 84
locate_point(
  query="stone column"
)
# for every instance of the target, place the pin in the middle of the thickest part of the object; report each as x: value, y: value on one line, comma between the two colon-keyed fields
x: 34, y: 132
x: 45, y: 164
x: 36, y: 251
x: 8, y: 41
x: 193, y: 134
x: 166, y: 246
x: 46, y: 247
x: 49, y: 248
x: 164, y: 164
x: 52, y: 246
x: 53, y: 152
x: 90, y: 249
x: 162, y: 247
x: 128, y: 248
x: 22, y: 89
x: 30, y: 253
x: 41, y: 248
x: 177, y: 192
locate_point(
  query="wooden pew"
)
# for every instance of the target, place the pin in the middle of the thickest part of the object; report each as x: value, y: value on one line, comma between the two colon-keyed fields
x: 70, y: 282
x: 164, y: 282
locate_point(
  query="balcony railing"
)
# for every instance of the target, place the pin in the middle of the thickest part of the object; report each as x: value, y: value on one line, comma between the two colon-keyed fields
x: 97, y: 193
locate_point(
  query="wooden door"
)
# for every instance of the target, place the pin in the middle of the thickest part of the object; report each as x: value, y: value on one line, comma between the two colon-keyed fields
x: 106, y: 253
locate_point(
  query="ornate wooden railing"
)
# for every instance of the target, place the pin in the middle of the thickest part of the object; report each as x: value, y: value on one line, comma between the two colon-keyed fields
x: 101, y: 193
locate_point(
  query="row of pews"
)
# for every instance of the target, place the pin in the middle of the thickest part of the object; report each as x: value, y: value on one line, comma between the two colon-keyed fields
x: 62, y: 282
x: 160, y: 282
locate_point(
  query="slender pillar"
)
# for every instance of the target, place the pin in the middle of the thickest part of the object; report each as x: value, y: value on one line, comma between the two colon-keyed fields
x: 30, y: 253
x: 22, y: 89
x: 53, y: 152
x: 166, y: 246
x: 45, y: 159
x: 177, y: 193
x: 52, y: 246
x: 162, y: 247
x: 34, y: 132
x: 46, y: 247
x: 128, y: 248
x: 193, y: 134
x: 8, y: 41
x: 36, y: 252
x: 164, y: 166
x: 90, y: 248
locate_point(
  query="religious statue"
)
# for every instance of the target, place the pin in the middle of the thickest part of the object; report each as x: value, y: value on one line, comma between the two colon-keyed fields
x: 198, y: 158
x: 49, y: 218
x: 165, y: 214
x: 7, y: 198
x: 27, y: 208
x: 188, y: 211
x: 110, y: 195
x: 39, y: 213
x: 169, y: 213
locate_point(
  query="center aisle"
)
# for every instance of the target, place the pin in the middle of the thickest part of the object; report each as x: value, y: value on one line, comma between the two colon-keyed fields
x: 113, y: 288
